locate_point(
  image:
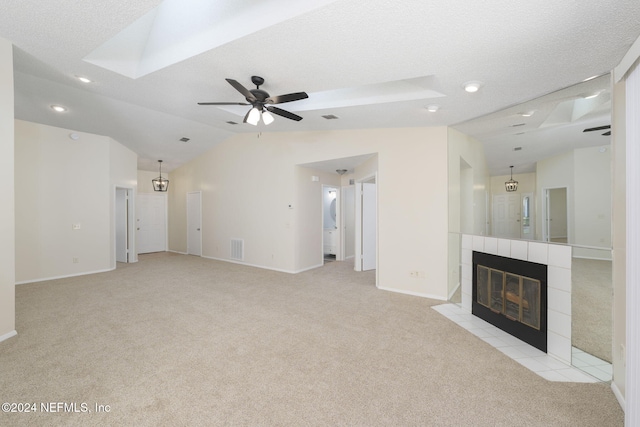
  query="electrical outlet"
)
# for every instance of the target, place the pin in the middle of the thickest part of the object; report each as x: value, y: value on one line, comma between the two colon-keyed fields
x: 76, y: 226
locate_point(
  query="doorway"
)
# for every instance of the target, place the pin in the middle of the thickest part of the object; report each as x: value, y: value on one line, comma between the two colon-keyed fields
x: 194, y: 223
x: 123, y: 225
x: 151, y: 223
x: 330, y: 223
x: 366, y: 224
x: 506, y: 215
x: 555, y: 227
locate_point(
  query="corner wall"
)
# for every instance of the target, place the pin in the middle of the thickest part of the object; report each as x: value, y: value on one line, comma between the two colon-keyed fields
x: 61, y: 183
x: 7, y: 213
x: 248, y: 183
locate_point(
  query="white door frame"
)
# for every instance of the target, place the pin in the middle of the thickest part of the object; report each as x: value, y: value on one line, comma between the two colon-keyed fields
x: 338, y: 221
x: 546, y: 213
x: 199, y: 193
x: 358, y: 226
x: 131, y: 223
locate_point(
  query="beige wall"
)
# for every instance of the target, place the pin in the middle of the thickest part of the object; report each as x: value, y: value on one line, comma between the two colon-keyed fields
x: 7, y: 215
x: 586, y: 173
x: 61, y: 182
x: 592, y: 196
x: 470, y: 218
x: 248, y: 183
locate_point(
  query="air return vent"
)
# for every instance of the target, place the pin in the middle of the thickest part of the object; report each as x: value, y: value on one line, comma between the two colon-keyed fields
x: 237, y: 249
x: 330, y: 117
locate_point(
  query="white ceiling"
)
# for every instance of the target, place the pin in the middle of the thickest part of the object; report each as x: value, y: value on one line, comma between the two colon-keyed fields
x: 372, y: 64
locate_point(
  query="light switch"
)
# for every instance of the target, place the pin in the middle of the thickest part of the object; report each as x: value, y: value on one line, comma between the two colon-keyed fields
x: 76, y: 226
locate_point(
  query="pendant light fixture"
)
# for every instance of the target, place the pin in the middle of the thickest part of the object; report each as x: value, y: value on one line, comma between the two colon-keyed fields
x: 160, y: 183
x: 511, y: 185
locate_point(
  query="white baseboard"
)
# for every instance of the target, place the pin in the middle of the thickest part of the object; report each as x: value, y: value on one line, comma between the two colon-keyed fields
x: 181, y: 253
x: 415, y: 294
x: 281, y: 270
x: 8, y: 335
x: 618, y: 394
x: 24, y: 282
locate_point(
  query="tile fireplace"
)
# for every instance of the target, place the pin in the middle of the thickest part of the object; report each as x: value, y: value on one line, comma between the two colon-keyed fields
x: 511, y: 294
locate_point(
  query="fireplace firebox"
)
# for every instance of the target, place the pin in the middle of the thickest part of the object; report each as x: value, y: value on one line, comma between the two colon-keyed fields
x: 511, y: 294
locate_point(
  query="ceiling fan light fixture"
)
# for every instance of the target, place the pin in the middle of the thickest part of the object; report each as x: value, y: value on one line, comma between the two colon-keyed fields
x: 511, y: 185
x: 267, y: 117
x: 253, y: 117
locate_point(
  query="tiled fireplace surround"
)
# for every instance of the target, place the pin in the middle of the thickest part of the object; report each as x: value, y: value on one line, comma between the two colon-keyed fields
x: 558, y: 261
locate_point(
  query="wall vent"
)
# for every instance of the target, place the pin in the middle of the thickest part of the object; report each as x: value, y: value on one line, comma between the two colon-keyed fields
x: 352, y: 181
x: 330, y: 117
x: 237, y: 249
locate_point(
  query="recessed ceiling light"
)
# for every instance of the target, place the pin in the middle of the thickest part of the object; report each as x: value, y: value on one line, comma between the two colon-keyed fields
x: 74, y: 136
x: 526, y: 114
x: 592, y: 95
x: 433, y: 108
x: 58, y: 108
x: 473, y: 86
x: 83, y: 79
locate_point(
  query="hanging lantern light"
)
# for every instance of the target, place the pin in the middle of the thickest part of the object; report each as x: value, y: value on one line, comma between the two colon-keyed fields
x: 511, y: 185
x: 160, y: 183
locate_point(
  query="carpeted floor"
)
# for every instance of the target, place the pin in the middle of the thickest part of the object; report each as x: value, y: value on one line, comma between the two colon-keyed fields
x: 177, y: 340
x: 592, y: 302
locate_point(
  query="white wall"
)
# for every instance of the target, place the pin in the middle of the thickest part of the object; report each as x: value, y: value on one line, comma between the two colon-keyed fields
x: 248, y: 184
x: 619, y: 237
x: 61, y: 182
x: 586, y: 173
x: 592, y: 196
x: 555, y: 172
x: 7, y: 214
x: 465, y: 150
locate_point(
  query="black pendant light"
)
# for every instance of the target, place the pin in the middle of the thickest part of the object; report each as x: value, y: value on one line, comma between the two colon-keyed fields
x: 511, y: 185
x: 160, y: 183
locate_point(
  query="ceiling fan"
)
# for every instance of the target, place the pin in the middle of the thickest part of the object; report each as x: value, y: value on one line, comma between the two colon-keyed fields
x: 600, y: 128
x: 260, y: 100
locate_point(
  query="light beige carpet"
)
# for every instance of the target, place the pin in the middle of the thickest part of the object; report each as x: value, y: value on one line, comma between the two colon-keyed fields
x: 177, y: 340
x: 592, y: 302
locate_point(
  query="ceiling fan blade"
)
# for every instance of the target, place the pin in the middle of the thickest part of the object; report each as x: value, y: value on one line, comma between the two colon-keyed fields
x: 223, y: 103
x: 283, y: 113
x: 597, y: 128
x: 286, y: 98
x: 243, y: 90
x: 606, y: 133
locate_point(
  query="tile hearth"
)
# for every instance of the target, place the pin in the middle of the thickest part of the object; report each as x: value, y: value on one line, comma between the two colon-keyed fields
x: 528, y: 356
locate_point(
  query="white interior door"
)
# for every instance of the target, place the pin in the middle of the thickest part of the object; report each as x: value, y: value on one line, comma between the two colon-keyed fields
x: 122, y: 213
x: 194, y: 223
x: 506, y: 216
x: 368, y: 226
x: 151, y: 210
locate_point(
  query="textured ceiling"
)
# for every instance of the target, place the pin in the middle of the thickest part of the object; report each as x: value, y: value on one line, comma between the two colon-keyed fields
x: 356, y: 59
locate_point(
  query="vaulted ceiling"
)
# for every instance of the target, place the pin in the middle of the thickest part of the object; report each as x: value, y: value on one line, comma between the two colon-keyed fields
x: 371, y: 64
